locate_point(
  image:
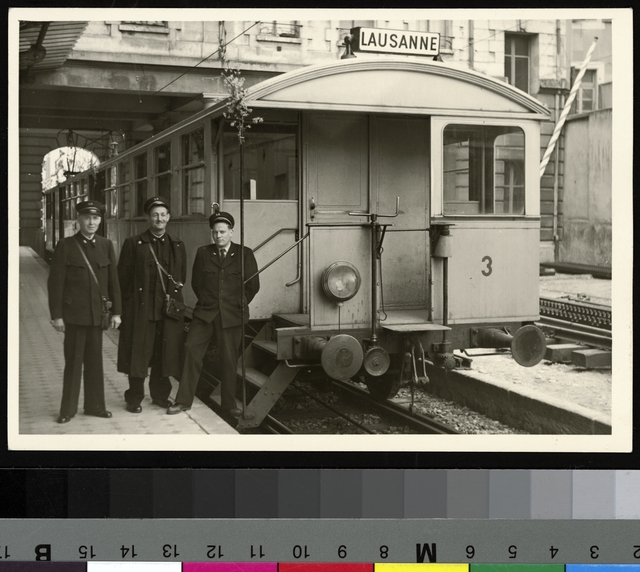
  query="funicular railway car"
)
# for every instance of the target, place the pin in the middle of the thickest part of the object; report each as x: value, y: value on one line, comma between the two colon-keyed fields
x: 403, y: 193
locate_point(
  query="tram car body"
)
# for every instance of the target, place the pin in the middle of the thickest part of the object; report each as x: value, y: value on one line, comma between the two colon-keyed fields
x: 403, y: 192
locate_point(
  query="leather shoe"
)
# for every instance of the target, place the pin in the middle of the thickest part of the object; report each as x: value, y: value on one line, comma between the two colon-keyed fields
x: 164, y: 403
x: 177, y: 408
x: 104, y: 414
x: 235, y: 412
x: 131, y: 408
x: 64, y: 418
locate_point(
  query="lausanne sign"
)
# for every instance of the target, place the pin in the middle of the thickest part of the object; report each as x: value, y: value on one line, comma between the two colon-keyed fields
x: 396, y: 41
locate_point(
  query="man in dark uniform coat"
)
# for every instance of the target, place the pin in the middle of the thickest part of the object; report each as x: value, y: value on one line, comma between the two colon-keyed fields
x: 217, y: 283
x: 147, y: 336
x: 75, y: 303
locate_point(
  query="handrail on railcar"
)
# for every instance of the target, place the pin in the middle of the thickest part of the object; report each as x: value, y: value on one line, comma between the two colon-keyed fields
x: 276, y: 233
x: 296, y: 243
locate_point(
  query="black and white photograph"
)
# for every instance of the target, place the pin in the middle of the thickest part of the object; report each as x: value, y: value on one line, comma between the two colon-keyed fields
x: 357, y: 230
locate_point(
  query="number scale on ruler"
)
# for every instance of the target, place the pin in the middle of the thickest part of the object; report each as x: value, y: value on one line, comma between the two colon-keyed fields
x: 326, y: 540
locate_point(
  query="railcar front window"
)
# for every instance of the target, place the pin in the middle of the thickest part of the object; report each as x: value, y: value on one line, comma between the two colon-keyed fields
x: 483, y: 170
x: 193, y: 173
x: 270, y: 162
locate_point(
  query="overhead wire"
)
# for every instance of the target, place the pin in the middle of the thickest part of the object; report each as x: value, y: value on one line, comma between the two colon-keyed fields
x: 195, y: 65
x: 467, y: 46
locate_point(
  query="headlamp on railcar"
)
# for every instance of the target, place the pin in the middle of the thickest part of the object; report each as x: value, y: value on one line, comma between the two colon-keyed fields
x: 341, y: 281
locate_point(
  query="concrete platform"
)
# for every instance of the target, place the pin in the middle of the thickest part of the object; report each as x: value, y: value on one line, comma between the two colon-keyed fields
x: 549, y: 398
x: 40, y: 377
x: 577, y: 287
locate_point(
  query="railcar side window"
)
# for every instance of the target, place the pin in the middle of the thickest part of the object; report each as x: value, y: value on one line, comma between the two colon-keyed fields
x: 270, y: 162
x: 163, y: 170
x: 193, y: 173
x: 111, y: 193
x: 124, y: 178
x: 140, y: 177
x: 483, y: 170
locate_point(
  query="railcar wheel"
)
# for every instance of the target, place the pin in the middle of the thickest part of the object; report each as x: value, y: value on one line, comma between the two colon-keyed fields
x: 386, y: 386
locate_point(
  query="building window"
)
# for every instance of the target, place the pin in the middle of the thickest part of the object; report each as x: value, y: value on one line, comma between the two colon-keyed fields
x: 587, y: 96
x: 284, y: 29
x: 270, y: 162
x: 483, y: 170
x: 517, y: 60
x: 153, y: 27
x: 193, y: 173
x: 141, y: 182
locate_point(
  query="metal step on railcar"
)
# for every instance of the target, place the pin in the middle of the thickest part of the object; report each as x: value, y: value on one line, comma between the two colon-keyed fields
x: 267, y: 378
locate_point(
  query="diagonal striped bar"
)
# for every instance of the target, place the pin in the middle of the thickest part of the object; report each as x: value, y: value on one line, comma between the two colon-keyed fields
x: 567, y: 107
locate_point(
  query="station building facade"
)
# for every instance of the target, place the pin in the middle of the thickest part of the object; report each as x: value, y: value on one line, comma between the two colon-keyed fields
x: 124, y: 81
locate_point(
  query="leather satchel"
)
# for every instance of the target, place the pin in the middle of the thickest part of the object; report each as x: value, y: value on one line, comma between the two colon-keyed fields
x: 174, y: 308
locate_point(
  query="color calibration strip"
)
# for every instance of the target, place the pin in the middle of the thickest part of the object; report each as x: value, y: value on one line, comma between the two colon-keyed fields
x: 321, y: 493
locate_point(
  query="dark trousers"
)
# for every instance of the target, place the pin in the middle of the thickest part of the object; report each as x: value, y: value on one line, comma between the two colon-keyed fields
x: 198, y: 338
x: 82, y: 346
x: 159, y: 386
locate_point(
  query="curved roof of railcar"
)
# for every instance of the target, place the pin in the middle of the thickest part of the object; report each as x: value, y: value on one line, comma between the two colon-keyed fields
x: 395, y: 85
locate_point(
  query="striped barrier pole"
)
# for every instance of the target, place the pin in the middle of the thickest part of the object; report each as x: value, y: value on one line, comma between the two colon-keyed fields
x: 565, y: 110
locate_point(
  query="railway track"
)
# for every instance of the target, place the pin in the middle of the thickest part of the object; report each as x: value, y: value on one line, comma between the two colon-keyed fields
x: 354, y: 411
x: 579, y: 322
x: 576, y: 312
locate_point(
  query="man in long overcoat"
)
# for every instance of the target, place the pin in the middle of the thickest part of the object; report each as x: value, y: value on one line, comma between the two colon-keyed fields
x: 147, y: 336
x: 83, y: 272
x: 217, y: 283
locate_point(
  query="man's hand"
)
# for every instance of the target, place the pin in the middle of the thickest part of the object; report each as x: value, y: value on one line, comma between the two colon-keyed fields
x: 115, y: 321
x: 58, y: 324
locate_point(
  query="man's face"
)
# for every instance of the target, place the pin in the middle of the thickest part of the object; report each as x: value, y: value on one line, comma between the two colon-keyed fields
x: 89, y: 224
x: 221, y: 234
x: 158, y: 218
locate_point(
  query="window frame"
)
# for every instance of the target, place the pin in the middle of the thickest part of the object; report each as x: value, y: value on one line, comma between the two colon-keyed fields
x: 598, y: 68
x: 226, y: 130
x: 136, y: 181
x: 528, y: 37
x: 530, y: 129
x: 75, y: 191
x: 182, y: 170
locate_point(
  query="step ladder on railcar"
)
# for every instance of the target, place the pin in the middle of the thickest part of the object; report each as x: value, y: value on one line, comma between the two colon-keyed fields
x: 264, y: 373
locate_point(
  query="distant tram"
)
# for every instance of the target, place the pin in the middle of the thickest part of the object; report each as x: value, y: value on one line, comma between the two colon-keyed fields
x: 403, y: 193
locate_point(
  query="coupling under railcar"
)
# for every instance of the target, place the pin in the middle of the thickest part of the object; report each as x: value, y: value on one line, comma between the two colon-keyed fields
x: 392, y: 203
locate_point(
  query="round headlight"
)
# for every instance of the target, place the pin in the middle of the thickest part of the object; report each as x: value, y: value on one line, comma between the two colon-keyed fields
x: 341, y: 281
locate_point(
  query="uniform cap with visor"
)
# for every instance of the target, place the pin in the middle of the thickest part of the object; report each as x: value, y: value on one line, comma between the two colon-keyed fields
x: 221, y: 217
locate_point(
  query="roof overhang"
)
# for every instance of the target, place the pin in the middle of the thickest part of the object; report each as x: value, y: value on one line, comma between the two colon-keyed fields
x: 46, y: 46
